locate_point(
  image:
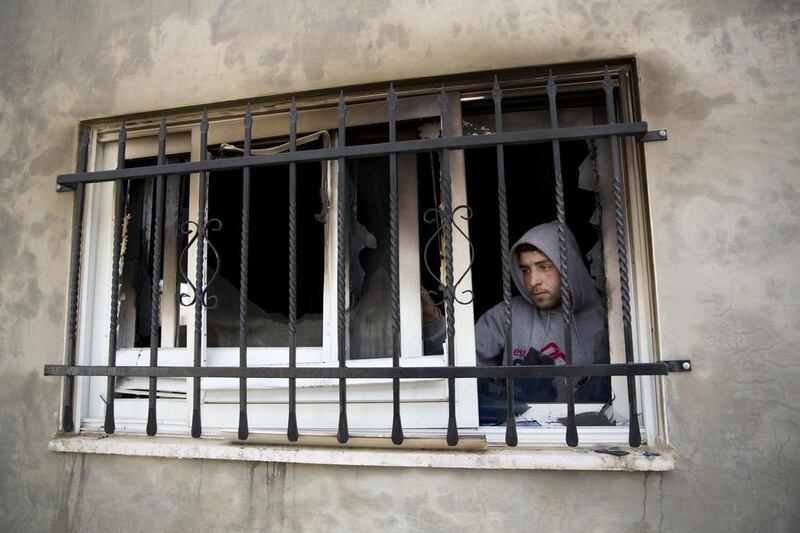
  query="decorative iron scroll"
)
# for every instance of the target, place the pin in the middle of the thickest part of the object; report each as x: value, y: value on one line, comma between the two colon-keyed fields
x: 209, y: 301
x: 434, y: 216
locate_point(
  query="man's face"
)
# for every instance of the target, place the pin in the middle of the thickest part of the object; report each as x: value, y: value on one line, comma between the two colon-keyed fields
x: 541, y: 278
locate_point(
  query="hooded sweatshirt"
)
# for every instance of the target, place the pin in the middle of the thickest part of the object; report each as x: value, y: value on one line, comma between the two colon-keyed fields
x: 544, y: 329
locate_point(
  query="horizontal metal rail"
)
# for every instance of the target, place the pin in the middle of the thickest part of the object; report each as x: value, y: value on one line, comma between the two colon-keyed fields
x: 516, y: 372
x: 364, y: 150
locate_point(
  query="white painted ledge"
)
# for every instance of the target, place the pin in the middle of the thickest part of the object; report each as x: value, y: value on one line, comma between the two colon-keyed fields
x: 519, y: 458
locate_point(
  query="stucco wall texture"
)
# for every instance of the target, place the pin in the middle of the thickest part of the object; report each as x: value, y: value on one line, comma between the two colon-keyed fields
x: 721, y: 76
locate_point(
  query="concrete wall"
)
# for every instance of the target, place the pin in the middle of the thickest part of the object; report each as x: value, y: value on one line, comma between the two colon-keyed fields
x: 722, y: 76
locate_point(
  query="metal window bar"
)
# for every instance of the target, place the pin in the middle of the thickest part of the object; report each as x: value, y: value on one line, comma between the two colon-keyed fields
x: 119, y: 201
x: 442, y: 145
x: 291, y: 425
x: 637, y: 129
x: 67, y: 419
x: 200, y: 296
x: 385, y: 372
x: 341, y: 221
x: 566, y: 295
x: 397, y: 425
x: 449, y: 290
x: 155, y: 296
x: 502, y: 208
x: 634, y: 436
x: 244, y: 430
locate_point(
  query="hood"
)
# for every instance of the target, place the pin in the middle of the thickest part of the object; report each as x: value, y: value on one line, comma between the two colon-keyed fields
x: 581, y: 284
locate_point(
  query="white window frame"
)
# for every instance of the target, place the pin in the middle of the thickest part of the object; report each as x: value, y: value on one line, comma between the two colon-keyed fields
x: 317, y: 399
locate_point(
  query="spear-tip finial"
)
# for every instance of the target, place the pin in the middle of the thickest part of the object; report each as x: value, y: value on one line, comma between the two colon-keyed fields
x: 248, y: 116
x: 391, y: 97
x: 608, y: 85
x: 341, y: 105
x: 551, y: 85
x: 497, y: 92
x: 204, y: 121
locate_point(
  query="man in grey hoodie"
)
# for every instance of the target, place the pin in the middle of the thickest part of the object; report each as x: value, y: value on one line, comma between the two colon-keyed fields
x: 537, y: 311
x: 537, y: 330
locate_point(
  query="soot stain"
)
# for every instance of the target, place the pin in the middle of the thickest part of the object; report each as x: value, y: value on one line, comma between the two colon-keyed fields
x: 392, y: 33
x: 697, y: 106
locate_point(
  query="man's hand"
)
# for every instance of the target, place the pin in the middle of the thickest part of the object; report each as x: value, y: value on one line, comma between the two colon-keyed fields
x: 429, y: 311
x: 534, y: 357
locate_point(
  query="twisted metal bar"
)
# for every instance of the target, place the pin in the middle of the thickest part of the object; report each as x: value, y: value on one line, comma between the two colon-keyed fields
x: 341, y: 222
x: 119, y: 193
x: 199, y: 300
x: 397, y: 426
x: 244, y: 429
x: 67, y: 419
x: 155, y: 293
x: 566, y: 302
x: 291, y: 427
x: 634, y: 435
x: 502, y: 208
x: 449, y: 290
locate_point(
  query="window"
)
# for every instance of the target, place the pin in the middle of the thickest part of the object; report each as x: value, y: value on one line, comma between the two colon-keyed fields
x: 191, y: 212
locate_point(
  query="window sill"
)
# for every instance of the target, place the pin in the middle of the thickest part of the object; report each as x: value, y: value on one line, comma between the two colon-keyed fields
x: 519, y: 458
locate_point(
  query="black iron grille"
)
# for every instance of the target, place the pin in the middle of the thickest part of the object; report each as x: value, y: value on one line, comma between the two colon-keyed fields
x: 553, y: 135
